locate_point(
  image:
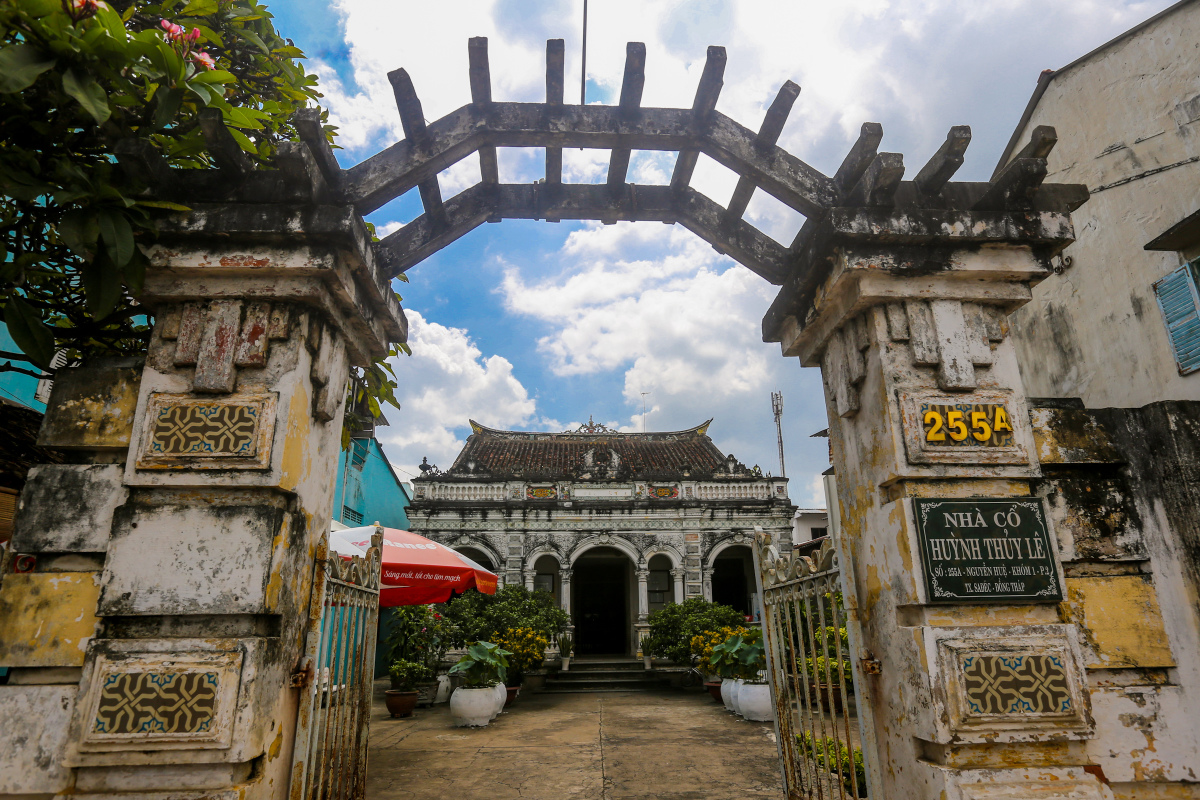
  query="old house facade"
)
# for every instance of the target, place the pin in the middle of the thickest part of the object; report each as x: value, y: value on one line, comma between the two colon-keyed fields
x: 614, y: 525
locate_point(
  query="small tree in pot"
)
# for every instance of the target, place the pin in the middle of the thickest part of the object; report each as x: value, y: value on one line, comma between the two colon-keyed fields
x: 401, y: 699
x: 527, y: 650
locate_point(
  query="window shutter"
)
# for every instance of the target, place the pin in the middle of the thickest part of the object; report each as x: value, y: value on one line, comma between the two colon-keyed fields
x: 1180, y: 305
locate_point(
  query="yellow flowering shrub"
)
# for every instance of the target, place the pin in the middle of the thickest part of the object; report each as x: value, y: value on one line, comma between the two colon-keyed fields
x: 702, y: 644
x: 528, y: 648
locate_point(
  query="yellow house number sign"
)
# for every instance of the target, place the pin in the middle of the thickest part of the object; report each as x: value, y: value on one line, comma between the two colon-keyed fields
x: 966, y: 425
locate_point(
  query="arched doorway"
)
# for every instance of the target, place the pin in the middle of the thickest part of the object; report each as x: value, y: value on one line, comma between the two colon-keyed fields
x: 601, y: 599
x: 479, y: 557
x: 546, y: 577
x: 733, y: 578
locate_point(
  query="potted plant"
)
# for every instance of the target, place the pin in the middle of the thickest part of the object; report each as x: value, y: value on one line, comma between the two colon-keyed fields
x: 401, y: 699
x: 483, y: 667
x: 726, y: 662
x: 418, y: 634
x: 527, y: 651
x: 701, y: 650
x: 754, y: 696
x: 566, y: 646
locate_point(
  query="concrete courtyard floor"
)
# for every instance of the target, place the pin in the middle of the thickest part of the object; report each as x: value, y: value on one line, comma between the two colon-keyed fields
x: 667, y: 745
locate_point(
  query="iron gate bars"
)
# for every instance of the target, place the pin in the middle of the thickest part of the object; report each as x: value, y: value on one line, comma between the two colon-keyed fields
x: 330, y: 756
x: 819, y: 698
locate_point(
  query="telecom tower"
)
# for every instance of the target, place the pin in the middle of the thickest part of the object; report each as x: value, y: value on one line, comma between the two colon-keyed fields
x: 777, y: 406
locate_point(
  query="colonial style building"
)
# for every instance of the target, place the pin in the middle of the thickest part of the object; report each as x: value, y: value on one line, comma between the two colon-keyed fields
x: 614, y: 525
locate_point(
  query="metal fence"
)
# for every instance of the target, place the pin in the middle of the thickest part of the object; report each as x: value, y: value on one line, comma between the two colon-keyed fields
x: 330, y: 761
x: 822, y: 710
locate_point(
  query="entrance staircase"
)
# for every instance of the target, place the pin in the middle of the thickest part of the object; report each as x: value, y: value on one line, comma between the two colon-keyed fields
x: 606, y: 675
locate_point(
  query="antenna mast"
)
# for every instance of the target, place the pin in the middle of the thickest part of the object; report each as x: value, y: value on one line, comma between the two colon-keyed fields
x: 583, y: 68
x: 644, y: 411
x: 777, y: 407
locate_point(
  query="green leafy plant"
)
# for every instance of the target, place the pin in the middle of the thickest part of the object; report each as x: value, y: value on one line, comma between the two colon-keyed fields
x: 835, y: 758
x: 566, y: 645
x: 724, y: 659
x: 485, y: 664
x: 417, y: 633
x: 476, y: 616
x: 80, y: 82
x: 673, y: 627
x: 406, y: 675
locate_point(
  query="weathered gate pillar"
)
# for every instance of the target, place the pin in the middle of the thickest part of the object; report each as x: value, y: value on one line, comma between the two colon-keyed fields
x: 979, y: 691
x: 203, y: 532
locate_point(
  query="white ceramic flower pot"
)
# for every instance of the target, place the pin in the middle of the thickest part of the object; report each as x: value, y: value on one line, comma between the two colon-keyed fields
x: 501, y: 696
x: 726, y: 688
x: 472, y: 707
x: 755, y: 702
x: 735, y: 699
x: 566, y: 663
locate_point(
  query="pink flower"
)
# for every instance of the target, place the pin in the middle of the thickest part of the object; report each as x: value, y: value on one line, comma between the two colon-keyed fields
x: 204, y: 60
x: 174, y: 32
x: 194, y: 36
x: 82, y: 9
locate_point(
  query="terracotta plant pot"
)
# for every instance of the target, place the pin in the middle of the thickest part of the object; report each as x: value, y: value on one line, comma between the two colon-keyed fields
x: 400, y: 704
x: 513, y: 691
x: 820, y: 695
x: 714, y: 690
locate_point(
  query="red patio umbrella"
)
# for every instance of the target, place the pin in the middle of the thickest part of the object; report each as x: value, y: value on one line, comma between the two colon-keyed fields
x: 415, y: 570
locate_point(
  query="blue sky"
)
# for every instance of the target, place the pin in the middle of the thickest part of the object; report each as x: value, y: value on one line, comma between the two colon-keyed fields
x: 536, y: 326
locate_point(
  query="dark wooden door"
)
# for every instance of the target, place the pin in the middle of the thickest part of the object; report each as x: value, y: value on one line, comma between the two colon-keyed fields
x: 601, y: 608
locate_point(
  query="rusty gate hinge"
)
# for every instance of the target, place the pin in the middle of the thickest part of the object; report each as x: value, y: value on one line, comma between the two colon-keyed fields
x: 302, y: 676
x: 870, y: 666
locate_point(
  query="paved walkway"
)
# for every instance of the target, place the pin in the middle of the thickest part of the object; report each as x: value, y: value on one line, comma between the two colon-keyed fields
x: 669, y: 745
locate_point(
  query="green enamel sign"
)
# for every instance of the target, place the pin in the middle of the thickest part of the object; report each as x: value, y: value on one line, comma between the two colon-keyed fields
x: 986, y: 551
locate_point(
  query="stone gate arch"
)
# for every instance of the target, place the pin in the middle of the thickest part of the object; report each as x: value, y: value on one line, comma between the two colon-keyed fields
x: 269, y: 286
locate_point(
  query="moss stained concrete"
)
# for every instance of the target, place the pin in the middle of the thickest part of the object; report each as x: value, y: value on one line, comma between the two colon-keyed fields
x: 669, y: 745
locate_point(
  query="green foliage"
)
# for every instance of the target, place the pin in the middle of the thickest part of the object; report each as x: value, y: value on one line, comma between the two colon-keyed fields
x: 477, y: 616
x: 78, y: 77
x: 673, y: 628
x: 566, y: 645
x: 485, y: 664
x: 527, y: 650
x: 834, y: 757
x: 417, y: 634
x: 740, y: 656
x: 406, y: 675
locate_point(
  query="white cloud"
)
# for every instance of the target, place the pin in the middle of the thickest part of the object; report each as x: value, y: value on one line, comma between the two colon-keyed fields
x: 679, y: 322
x: 446, y: 381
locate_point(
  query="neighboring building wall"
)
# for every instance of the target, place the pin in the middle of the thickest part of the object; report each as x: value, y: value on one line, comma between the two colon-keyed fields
x: 368, y: 490
x: 1132, y: 108
x: 809, y: 524
x: 16, y: 386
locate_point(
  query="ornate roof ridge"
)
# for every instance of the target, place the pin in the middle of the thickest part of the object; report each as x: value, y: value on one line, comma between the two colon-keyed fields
x: 589, y: 429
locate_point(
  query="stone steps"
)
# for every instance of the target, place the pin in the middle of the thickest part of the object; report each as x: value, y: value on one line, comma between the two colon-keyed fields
x: 610, y: 675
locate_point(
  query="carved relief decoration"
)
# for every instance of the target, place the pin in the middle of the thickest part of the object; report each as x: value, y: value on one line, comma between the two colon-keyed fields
x: 218, y: 336
x: 189, y: 432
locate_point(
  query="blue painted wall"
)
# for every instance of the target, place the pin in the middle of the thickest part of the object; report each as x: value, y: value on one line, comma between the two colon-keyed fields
x: 13, y: 385
x: 367, y: 490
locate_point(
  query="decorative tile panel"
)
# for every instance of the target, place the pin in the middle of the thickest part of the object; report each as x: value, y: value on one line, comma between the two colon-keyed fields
x: 1015, y: 684
x: 157, y: 702
x: 188, y: 432
x: 663, y: 492
x: 153, y: 700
